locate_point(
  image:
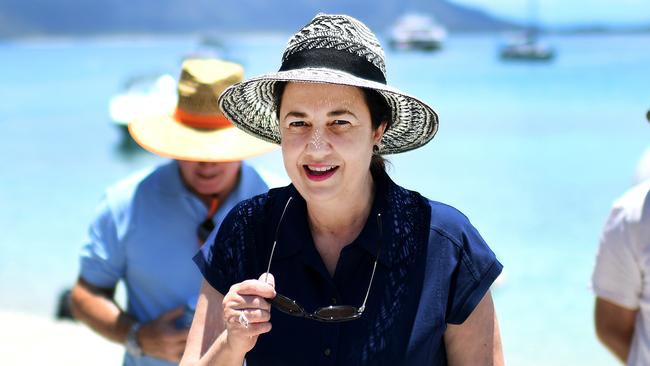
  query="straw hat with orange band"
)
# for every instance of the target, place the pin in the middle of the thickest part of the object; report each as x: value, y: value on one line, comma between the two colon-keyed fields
x: 198, y: 130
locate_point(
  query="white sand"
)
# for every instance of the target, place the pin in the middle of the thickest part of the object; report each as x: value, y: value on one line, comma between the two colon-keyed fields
x: 33, y: 340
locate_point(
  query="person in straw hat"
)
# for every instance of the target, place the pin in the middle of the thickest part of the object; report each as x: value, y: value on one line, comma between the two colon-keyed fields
x: 343, y: 266
x: 149, y: 226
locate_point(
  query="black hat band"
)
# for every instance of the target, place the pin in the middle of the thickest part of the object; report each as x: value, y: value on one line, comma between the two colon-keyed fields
x: 335, y: 59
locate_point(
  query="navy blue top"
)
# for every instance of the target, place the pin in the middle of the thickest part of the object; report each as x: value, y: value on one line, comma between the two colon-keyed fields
x: 433, y: 269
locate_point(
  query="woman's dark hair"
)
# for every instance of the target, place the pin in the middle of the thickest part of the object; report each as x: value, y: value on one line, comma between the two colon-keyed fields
x: 379, y: 112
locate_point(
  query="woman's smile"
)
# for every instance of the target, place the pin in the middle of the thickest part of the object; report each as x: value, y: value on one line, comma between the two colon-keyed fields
x: 319, y: 172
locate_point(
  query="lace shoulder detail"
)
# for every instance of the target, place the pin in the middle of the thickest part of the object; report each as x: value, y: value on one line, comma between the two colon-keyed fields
x: 408, y: 216
x: 240, y: 247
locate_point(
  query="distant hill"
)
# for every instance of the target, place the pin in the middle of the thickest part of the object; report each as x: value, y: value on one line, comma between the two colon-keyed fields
x: 74, y: 17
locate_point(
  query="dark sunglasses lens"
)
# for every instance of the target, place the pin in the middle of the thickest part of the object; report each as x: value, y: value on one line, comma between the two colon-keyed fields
x: 337, y: 313
x: 286, y: 305
x: 204, y: 230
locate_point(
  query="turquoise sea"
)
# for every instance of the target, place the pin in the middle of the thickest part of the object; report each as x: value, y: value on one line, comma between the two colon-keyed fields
x: 533, y: 154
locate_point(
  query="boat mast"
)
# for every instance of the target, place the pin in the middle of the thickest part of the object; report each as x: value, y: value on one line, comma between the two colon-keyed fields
x: 533, y: 21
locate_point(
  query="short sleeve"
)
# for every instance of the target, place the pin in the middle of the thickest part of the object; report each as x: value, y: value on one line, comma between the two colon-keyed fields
x: 224, y: 259
x: 617, y: 276
x: 102, y: 258
x: 475, y: 272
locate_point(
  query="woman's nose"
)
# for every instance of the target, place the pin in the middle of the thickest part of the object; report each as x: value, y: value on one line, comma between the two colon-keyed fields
x: 316, y: 139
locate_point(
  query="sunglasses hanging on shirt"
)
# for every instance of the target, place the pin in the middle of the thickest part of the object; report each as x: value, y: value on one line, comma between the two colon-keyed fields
x: 327, y: 314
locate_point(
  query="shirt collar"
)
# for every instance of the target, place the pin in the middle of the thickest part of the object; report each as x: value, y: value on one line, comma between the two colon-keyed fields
x: 294, y: 230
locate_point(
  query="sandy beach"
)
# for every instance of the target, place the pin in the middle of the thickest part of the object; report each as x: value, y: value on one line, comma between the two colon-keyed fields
x: 27, y: 339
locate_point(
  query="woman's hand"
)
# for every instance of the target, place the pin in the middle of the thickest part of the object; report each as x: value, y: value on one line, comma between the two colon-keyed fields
x: 246, y: 313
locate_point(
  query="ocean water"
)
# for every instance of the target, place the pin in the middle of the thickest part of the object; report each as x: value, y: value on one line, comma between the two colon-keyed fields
x: 533, y: 154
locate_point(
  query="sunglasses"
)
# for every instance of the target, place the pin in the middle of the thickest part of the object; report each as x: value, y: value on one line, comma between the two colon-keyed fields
x: 328, y: 314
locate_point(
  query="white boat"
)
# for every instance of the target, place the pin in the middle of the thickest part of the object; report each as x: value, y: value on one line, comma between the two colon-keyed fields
x: 143, y: 96
x: 417, y: 31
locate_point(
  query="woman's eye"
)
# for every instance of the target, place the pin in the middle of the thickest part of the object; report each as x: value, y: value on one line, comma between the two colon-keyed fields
x: 297, y: 124
x: 341, y: 122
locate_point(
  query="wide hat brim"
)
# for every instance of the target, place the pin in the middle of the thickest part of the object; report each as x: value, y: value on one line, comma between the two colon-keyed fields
x: 165, y: 136
x: 251, y: 107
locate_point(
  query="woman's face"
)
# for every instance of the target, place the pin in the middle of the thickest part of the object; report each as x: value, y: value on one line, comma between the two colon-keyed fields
x: 327, y: 139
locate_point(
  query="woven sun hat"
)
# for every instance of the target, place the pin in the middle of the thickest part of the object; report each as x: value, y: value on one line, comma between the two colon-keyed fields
x: 197, y: 130
x: 335, y: 49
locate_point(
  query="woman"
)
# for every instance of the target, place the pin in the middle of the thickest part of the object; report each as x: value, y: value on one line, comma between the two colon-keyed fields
x: 351, y: 268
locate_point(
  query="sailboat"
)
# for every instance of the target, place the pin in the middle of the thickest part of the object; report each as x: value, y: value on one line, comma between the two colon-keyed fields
x: 528, y: 47
x: 417, y: 31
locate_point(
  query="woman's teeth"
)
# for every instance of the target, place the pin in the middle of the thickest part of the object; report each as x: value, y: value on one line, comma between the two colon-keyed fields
x: 321, y: 169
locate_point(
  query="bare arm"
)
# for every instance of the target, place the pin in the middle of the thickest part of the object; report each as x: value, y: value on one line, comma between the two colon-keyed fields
x: 615, y: 327
x: 216, y: 336
x: 95, y: 307
x: 477, y: 341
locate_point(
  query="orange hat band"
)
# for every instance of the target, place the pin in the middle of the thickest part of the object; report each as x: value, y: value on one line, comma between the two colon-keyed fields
x: 202, y: 121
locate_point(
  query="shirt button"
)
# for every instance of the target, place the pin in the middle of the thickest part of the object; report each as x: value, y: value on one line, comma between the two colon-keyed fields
x: 327, y: 352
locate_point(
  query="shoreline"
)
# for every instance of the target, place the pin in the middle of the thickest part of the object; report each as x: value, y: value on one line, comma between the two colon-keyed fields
x: 28, y: 339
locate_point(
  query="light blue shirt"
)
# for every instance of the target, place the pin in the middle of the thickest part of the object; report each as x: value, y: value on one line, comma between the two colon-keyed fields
x: 145, y: 233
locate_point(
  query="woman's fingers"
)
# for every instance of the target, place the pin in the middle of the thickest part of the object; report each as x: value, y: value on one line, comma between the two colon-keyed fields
x: 256, y: 315
x: 246, y: 312
x: 254, y: 287
x: 255, y: 302
x: 268, y: 279
x: 257, y: 323
x: 246, y: 302
x: 250, y: 294
x: 247, y: 315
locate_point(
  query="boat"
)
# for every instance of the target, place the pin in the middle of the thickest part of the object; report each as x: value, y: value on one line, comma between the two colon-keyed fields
x: 142, y: 96
x: 417, y: 31
x: 528, y: 47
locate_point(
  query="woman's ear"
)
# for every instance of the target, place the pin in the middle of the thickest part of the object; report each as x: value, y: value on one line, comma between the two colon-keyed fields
x: 379, y: 132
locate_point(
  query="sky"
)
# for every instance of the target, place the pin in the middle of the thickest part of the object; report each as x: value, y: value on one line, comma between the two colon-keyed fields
x: 569, y: 12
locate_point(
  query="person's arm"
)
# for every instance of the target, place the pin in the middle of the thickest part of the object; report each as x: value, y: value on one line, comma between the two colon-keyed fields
x: 617, y: 279
x: 95, y: 307
x: 477, y: 340
x: 216, y: 336
x: 615, y: 327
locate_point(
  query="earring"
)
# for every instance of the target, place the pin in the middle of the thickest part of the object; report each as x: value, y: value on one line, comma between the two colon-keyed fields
x: 375, y: 149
